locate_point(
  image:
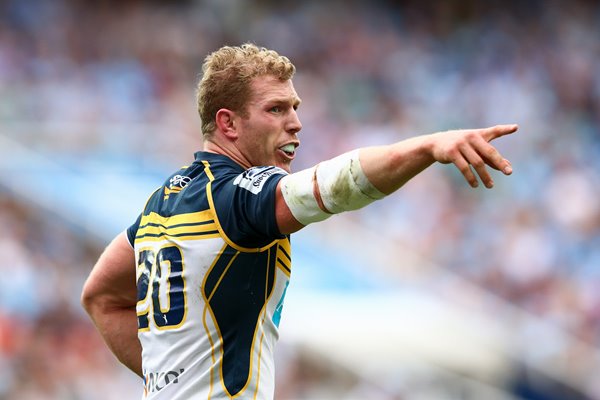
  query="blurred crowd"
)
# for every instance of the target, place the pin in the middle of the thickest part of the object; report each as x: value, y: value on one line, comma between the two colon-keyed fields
x: 115, y: 81
x: 48, y: 347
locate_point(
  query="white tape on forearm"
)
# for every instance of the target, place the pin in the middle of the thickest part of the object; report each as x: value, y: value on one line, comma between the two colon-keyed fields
x: 298, y: 192
x: 342, y: 185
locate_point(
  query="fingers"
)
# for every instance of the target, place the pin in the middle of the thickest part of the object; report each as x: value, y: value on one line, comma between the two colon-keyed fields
x: 470, y: 151
x: 473, y: 159
x: 465, y: 168
x: 497, y: 131
x: 478, y: 154
x: 493, y: 158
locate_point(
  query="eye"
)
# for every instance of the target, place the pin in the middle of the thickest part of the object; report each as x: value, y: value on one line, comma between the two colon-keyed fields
x: 275, y: 109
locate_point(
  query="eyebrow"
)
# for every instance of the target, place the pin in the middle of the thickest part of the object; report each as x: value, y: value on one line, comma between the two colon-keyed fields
x: 296, y: 101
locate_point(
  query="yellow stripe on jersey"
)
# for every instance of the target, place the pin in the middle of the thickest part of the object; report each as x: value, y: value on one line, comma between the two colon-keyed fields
x: 284, y: 259
x: 208, y: 172
x: 189, y: 226
x: 285, y: 248
x: 168, y: 191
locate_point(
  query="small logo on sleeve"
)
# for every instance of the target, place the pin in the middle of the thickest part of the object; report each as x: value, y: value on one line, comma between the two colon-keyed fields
x: 254, y: 179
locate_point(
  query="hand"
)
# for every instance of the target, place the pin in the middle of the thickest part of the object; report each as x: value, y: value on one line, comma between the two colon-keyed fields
x: 471, y: 148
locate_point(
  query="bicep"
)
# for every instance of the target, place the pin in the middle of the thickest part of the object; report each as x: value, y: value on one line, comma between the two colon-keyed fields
x: 112, y: 279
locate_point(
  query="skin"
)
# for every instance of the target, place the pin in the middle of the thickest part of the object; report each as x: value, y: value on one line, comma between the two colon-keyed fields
x: 271, y: 123
x: 390, y: 167
x: 109, y: 294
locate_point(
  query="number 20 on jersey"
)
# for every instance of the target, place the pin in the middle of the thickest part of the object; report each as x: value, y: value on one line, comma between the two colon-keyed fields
x: 160, y: 288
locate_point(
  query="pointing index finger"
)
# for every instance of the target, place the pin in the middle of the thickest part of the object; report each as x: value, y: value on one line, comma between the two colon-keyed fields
x: 497, y: 131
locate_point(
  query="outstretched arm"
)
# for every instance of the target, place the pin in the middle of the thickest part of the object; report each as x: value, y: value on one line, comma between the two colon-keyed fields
x: 310, y: 195
x: 390, y: 167
x: 110, y: 296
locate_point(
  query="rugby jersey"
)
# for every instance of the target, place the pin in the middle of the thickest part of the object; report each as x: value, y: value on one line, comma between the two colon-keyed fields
x: 212, y: 272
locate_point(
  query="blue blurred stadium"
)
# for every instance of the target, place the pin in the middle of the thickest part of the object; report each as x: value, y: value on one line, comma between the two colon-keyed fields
x: 437, y: 292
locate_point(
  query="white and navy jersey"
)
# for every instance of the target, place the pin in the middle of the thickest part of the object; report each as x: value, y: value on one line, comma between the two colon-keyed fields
x: 212, y: 272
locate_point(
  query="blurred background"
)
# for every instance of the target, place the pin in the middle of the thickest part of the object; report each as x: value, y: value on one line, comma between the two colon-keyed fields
x: 437, y: 292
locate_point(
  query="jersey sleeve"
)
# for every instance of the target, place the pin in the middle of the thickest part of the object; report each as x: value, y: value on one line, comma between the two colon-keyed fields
x: 132, y: 230
x: 245, y: 206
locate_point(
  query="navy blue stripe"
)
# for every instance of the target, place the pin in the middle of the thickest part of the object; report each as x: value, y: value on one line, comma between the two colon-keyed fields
x: 155, y: 235
x: 288, y: 269
x: 285, y: 253
x: 177, y: 225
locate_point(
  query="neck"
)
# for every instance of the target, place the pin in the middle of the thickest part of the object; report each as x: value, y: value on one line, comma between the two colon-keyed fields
x: 233, y: 153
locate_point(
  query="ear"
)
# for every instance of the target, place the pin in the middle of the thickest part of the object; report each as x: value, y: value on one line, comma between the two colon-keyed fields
x: 225, y: 120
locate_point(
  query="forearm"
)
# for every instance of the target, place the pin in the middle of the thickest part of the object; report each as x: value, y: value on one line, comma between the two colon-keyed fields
x: 118, y: 328
x: 389, y: 167
x: 109, y: 296
x: 349, y: 182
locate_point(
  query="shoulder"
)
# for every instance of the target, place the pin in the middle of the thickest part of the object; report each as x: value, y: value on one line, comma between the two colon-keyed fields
x: 244, y: 203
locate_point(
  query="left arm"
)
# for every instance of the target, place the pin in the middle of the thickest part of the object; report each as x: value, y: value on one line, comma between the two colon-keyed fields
x: 109, y: 296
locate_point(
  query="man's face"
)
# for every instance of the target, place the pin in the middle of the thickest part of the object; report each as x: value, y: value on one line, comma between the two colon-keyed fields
x: 268, y: 136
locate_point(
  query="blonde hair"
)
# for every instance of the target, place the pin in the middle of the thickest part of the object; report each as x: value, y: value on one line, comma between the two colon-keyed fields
x: 226, y: 77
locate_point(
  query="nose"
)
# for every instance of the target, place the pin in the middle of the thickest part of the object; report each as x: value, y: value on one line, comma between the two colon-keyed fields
x: 293, y: 125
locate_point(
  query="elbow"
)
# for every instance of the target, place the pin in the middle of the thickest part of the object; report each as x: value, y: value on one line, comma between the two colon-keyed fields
x: 98, y: 299
x: 87, y: 297
x: 90, y: 298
